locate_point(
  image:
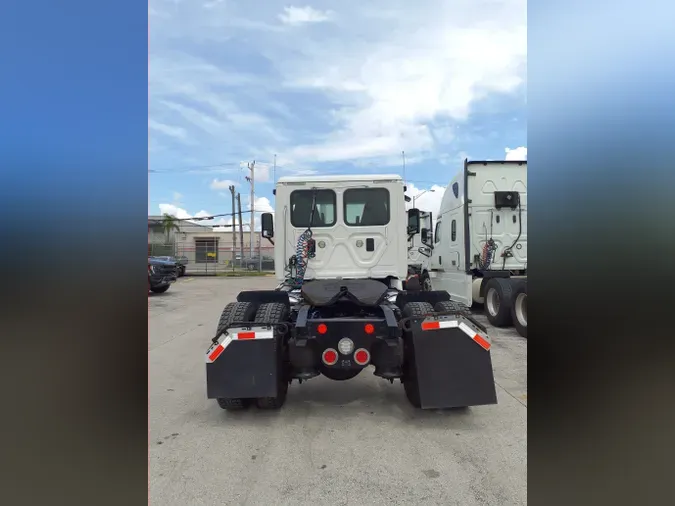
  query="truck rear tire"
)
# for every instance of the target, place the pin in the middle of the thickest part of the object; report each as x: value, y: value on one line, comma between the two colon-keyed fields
x: 234, y: 312
x: 410, y: 383
x: 519, y: 309
x: 275, y: 312
x: 498, y: 301
x: 448, y: 306
x: 159, y: 289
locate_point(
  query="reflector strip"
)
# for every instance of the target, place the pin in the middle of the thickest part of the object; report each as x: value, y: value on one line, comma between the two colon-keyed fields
x: 435, y: 325
x: 476, y: 337
x: 265, y: 334
x: 231, y: 334
x: 452, y: 324
x: 216, y: 352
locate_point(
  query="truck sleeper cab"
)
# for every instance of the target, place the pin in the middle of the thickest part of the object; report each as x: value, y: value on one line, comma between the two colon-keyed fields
x: 480, y: 238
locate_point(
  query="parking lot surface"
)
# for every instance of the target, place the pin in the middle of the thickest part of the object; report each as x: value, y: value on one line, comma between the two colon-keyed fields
x: 357, y: 442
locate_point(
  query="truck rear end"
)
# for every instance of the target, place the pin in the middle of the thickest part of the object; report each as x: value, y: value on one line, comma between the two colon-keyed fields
x: 497, y: 216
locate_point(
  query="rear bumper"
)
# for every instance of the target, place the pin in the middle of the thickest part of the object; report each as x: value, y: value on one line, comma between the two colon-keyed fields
x: 163, y: 276
x: 383, y: 344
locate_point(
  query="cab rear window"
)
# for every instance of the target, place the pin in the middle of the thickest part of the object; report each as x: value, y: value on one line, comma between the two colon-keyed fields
x: 364, y: 207
x: 301, y: 208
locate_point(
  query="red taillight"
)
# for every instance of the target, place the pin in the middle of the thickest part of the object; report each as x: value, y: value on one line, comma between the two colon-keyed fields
x: 329, y: 356
x: 361, y: 356
x: 369, y: 328
x: 322, y: 328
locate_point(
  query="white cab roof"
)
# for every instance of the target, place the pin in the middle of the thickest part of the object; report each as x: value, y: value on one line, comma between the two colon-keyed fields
x: 346, y: 177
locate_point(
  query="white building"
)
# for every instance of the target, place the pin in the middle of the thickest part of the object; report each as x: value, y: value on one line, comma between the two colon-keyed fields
x: 204, y: 247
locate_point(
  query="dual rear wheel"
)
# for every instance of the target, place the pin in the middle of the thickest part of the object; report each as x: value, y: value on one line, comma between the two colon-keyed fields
x: 506, y: 303
x: 273, y: 312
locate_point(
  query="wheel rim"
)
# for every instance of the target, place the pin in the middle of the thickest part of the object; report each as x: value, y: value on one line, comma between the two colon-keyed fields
x: 493, y: 302
x: 427, y: 284
x: 521, y: 309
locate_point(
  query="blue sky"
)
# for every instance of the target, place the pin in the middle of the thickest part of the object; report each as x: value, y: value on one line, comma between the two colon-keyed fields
x: 328, y: 87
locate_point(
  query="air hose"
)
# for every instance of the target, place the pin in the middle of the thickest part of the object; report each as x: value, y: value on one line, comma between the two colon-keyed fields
x: 302, y: 256
x: 487, y: 255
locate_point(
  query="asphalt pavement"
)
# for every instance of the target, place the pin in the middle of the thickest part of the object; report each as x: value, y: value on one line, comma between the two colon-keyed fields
x: 357, y: 442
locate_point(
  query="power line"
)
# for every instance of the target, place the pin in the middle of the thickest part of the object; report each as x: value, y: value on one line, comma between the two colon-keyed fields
x: 196, y: 167
x: 200, y: 218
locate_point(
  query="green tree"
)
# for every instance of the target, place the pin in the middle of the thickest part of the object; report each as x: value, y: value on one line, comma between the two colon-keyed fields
x: 169, y: 223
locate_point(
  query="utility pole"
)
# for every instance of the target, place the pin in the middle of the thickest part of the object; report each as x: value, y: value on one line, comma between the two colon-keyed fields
x: 241, y: 227
x: 234, y: 228
x: 251, y: 179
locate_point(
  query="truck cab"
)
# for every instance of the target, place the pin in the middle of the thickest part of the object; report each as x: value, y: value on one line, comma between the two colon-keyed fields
x: 355, y: 227
x: 420, y: 251
x: 481, y: 232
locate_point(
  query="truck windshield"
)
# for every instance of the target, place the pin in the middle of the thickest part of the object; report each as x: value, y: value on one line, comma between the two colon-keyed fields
x: 301, y: 208
x: 366, y: 207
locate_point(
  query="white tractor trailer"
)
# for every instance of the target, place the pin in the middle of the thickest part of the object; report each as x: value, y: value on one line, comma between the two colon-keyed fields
x: 480, y: 241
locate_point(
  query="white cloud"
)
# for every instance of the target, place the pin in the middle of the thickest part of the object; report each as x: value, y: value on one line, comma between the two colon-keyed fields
x: 429, y: 201
x: 174, y: 211
x: 382, y: 77
x: 263, y: 205
x: 222, y: 184
x: 519, y: 153
x: 389, y: 87
x: 182, y: 214
x: 302, y: 15
x: 171, y: 131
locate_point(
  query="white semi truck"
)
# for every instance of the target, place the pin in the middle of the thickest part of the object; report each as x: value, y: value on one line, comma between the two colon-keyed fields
x: 420, y: 249
x: 340, y: 256
x: 480, y: 241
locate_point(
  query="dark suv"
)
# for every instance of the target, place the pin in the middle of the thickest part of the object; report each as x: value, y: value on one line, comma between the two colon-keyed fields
x: 181, y: 263
x: 161, y: 273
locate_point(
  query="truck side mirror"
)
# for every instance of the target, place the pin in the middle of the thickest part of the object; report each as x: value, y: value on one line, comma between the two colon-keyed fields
x: 413, y: 221
x: 267, y: 225
x: 426, y: 235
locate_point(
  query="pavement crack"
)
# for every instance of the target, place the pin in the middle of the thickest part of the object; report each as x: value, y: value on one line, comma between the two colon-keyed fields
x: 510, y: 394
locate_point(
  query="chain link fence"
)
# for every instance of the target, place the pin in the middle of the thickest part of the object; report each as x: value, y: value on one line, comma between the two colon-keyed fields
x: 207, y: 257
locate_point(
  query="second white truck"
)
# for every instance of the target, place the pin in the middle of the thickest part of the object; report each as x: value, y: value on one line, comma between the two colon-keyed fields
x: 480, y: 241
x: 420, y: 249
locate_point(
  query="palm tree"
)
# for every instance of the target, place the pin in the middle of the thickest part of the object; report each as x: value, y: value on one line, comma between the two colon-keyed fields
x: 169, y: 224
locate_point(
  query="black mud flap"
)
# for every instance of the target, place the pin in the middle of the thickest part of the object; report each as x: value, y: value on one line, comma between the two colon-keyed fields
x: 242, y: 364
x: 452, y: 358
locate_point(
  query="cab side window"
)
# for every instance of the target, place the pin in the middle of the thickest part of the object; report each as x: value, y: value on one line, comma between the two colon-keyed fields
x: 437, y: 232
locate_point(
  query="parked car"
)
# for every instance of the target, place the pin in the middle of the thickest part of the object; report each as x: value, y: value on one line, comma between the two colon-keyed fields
x: 253, y: 263
x: 161, y: 274
x: 180, y: 261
